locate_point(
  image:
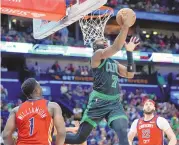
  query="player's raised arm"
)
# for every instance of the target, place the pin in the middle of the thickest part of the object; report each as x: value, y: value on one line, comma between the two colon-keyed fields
x: 10, y: 128
x: 99, y: 45
x: 59, y: 124
x: 117, y: 45
x: 128, y: 72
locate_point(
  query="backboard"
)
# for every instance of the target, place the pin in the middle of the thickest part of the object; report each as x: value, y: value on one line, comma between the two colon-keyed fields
x: 44, y: 28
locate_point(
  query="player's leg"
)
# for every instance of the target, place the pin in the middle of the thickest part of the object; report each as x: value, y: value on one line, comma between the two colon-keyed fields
x: 81, y: 135
x: 120, y: 126
x: 91, y: 117
x: 118, y: 121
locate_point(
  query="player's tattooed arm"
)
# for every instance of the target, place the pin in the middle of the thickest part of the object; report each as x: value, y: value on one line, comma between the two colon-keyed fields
x: 10, y: 128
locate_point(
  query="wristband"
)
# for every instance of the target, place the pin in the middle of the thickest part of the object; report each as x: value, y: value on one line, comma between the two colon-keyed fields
x: 131, y: 68
x: 130, y: 60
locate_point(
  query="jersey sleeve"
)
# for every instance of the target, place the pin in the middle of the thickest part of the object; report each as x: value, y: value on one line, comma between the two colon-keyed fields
x: 162, y: 123
x: 134, y: 126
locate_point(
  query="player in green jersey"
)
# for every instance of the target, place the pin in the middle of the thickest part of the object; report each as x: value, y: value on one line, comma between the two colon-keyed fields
x: 104, y: 99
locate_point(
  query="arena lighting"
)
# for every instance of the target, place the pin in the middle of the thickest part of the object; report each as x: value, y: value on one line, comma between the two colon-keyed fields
x: 14, y: 20
x: 155, y: 33
x: 164, y: 86
x: 147, y: 36
x: 144, y: 32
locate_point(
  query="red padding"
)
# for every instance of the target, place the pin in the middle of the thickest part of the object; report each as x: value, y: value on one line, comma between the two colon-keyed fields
x: 52, y: 10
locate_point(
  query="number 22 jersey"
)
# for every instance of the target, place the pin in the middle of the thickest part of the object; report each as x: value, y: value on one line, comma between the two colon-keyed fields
x: 34, y: 123
x: 150, y: 132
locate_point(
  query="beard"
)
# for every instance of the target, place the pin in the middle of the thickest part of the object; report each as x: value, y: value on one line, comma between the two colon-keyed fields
x: 149, y: 112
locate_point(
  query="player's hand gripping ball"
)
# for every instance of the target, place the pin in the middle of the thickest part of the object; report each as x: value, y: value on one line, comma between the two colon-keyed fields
x: 126, y: 17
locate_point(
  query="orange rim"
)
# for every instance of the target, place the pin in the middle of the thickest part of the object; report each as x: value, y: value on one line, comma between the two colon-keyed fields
x: 109, y: 12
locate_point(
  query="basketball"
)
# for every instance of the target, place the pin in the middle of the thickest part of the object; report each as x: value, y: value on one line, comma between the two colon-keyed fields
x: 131, y: 16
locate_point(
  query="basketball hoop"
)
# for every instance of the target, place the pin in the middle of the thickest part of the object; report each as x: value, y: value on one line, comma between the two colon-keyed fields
x: 93, y: 24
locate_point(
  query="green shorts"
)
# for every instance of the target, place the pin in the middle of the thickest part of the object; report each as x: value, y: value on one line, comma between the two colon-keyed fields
x: 99, y: 108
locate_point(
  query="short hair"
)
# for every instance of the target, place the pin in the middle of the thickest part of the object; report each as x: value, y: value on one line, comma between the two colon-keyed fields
x: 95, y: 46
x: 28, y: 87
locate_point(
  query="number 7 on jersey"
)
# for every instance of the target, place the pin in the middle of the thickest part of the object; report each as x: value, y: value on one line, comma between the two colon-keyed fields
x: 115, y: 80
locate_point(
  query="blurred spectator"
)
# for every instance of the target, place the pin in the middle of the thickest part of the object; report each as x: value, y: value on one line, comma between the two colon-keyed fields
x: 56, y: 67
x: 87, y: 91
x: 162, y: 44
x: 113, y: 3
x: 4, y: 93
x: 67, y: 95
x: 163, y: 6
x: 67, y: 71
x: 150, y: 42
x: 48, y: 41
x: 173, y: 39
x: 5, y: 113
x: 161, y: 36
x: 77, y: 111
x: 36, y: 69
x: 93, y: 142
x: 177, y: 47
x: 70, y: 2
x: 78, y: 71
x: 169, y: 79
x: 49, y: 70
x: 64, y: 35
x: 64, y: 89
x: 56, y: 37
x: 78, y: 91
x: 12, y: 32
x: 84, y: 71
x: 71, y: 68
x: 177, y: 77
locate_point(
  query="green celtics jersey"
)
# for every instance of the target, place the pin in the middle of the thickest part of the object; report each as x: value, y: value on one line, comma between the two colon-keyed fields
x: 106, y: 78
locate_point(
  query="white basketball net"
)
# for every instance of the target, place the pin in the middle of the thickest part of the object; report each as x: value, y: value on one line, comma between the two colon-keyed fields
x: 93, y: 27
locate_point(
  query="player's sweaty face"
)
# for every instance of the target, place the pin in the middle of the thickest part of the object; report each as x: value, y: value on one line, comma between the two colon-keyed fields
x: 149, y: 108
x: 102, y: 43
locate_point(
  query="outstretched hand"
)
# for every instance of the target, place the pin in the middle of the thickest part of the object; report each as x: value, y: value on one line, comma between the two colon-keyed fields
x: 130, y: 46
